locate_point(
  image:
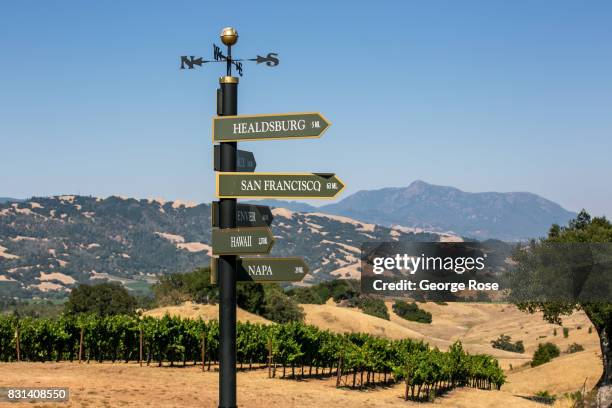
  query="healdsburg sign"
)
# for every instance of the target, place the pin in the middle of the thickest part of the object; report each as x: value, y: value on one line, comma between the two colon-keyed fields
x: 269, y: 127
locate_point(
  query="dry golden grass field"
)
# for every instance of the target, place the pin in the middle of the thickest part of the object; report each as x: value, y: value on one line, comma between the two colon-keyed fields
x: 117, y: 385
x: 206, y: 312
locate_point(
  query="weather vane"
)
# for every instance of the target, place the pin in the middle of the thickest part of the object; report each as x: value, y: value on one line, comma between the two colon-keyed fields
x: 229, y: 37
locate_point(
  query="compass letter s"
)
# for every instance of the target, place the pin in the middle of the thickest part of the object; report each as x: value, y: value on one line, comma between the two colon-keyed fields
x: 271, y: 59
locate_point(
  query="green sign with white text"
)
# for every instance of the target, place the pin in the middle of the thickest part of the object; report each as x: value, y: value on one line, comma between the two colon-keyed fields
x: 263, y: 269
x: 278, y: 185
x: 235, y: 241
x: 269, y: 127
x: 247, y: 215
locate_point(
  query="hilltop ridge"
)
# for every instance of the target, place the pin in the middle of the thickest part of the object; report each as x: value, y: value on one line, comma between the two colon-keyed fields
x: 49, y: 244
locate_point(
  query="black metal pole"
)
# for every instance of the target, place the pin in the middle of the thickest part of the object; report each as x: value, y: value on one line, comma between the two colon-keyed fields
x: 227, y: 264
x: 229, y: 61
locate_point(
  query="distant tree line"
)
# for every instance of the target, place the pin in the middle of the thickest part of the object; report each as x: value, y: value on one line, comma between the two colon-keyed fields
x: 411, y: 311
x: 269, y: 300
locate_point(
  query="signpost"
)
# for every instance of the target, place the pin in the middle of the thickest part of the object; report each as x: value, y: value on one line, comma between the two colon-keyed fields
x: 236, y: 241
x: 278, y: 185
x: 263, y: 270
x: 247, y: 215
x: 269, y: 127
x: 245, y: 160
x: 242, y: 228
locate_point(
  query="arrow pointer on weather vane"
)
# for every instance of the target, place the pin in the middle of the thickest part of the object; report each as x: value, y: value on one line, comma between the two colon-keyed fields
x: 229, y: 36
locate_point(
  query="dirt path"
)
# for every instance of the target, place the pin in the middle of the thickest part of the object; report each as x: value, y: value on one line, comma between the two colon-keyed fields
x: 128, y: 385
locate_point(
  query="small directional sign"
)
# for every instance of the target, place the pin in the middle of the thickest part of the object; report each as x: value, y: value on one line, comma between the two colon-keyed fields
x: 234, y: 241
x: 245, y: 160
x: 247, y: 215
x: 269, y: 127
x: 278, y: 185
x: 263, y: 270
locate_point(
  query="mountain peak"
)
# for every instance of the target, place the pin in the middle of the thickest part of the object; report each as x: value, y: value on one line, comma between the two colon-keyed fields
x: 419, y: 186
x: 506, y: 216
x: 418, y: 183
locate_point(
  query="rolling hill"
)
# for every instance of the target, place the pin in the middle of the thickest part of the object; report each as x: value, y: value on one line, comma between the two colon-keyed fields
x: 475, y: 325
x: 49, y: 244
x: 9, y: 200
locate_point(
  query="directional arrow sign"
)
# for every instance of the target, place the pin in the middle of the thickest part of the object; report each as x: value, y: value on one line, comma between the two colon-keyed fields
x: 234, y: 241
x: 266, y: 269
x: 265, y: 127
x: 278, y: 185
x: 270, y: 269
x: 245, y: 160
x: 247, y: 215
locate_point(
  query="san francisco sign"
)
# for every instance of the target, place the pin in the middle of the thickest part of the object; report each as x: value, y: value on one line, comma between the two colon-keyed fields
x: 278, y: 185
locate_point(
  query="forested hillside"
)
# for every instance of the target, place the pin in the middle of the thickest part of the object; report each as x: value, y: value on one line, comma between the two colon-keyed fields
x: 48, y: 244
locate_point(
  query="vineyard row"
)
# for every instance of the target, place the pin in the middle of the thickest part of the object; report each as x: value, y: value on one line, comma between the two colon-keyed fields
x: 357, y: 360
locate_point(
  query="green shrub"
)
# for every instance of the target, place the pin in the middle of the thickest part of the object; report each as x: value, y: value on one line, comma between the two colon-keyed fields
x: 279, y: 307
x: 545, y: 397
x: 574, y: 348
x: 544, y: 353
x: 306, y: 296
x: 504, y: 342
x: 565, y: 332
x: 176, y: 288
x: 373, y: 307
x: 411, y: 311
x: 339, y: 289
x: 102, y: 299
x: 583, y: 400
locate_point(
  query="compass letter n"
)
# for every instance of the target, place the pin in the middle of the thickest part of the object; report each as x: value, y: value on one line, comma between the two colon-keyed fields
x: 187, y: 61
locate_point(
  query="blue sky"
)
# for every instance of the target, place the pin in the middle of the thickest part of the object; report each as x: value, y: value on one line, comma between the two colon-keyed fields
x: 481, y: 95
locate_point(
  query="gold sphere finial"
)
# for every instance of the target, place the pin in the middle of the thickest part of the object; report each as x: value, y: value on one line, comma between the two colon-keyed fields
x: 229, y: 36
